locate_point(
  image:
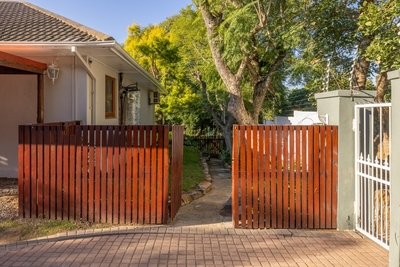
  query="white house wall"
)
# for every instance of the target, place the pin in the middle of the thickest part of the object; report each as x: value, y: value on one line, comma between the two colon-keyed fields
x: 101, y: 71
x: 146, y: 110
x: 18, y: 105
x: 65, y: 100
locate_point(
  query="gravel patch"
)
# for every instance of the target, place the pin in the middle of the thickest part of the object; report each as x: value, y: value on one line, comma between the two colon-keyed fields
x: 8, y: 199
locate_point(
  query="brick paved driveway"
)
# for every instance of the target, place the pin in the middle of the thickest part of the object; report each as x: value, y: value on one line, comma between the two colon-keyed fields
x: 197, y: 246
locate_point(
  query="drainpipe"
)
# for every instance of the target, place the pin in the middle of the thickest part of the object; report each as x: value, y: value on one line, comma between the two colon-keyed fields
x: 93, y: 84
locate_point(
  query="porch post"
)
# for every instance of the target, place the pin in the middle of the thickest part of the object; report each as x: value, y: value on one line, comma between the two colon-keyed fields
x: 40, y: 98
x: 394, y: 247
x: 339, y: 107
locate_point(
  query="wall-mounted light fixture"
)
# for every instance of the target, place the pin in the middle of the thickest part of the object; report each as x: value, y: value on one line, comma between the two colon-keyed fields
x: 52, y: 72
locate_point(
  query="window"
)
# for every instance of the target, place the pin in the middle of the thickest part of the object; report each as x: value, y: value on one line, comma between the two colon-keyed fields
x: 110, y: 97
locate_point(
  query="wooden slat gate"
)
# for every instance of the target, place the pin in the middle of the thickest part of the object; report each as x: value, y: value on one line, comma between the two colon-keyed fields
x: 284, y: 176
x: 108, y: 174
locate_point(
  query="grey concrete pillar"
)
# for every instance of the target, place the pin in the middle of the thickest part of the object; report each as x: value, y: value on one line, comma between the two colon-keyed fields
x: 339, y: 106
x: 394, y: 246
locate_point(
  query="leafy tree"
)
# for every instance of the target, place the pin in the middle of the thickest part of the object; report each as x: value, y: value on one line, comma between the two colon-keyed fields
x: 299, y: 99
x: 189, y: 34
x: 151, y: 47
x: 357, y: 36
x: 249, y: 40
x: 378, y: 20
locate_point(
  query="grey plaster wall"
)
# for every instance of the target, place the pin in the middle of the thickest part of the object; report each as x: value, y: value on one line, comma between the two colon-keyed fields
x: 339, y: 105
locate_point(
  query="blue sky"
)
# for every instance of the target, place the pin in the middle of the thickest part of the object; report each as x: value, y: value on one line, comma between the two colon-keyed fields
x: 113, y: 17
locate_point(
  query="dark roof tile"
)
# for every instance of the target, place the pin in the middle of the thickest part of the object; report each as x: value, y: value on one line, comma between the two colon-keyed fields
x: 24, y: 22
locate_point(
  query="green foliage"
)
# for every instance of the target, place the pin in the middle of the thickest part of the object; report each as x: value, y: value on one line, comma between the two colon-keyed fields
x: 379, y: 21
x: 299, y: 99
x: 151, y: 47
x: 225, y: 156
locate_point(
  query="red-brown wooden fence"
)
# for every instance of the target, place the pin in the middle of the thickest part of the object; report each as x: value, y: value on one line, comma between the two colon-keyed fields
x: 108, y: 174
x: 284, y: 176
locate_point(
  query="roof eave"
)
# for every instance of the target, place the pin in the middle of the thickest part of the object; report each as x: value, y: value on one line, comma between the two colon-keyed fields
x: 120, y: 52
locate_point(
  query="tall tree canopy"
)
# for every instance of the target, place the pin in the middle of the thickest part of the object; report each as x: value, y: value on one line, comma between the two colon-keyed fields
x: 249, y: 41
x: 355, y: 38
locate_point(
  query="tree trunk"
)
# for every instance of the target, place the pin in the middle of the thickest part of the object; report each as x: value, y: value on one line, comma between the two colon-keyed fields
x: 237, y: 109
x: 360, y: 74
x: 381, y: 85
x: 224, y: 125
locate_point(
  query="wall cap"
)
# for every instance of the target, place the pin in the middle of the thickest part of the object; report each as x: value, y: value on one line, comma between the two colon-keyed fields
x: 395, y: 74
x: 347, y: 94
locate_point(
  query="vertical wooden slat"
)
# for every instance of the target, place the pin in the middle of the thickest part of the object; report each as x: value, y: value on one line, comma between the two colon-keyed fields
x: 316, y: 188
x: 235, y: 176
x: 28, y: 172
x: 59, y: 171
x: 274, y: 141
x: 160, y: 171
x: 72, y: 177
x: 103, y: 175
x: 249, y: 186
x: 34, y: 172
x: 21, y: 170
x: 154, y: 168
x: 242, y: 175
x: 141, y: 175
x: 46, y: 178
x: 263, y: 156
x: 53, y: 182
x: 128, y: 207
x: 176, y: 169
x: 279, y: 193
x: 97, y: 181
x: 122, y: 177
x: 328, y: 183
x: 255, y: 178
x: 147, y: 177
x: 78, y: 174
x: 65, y: 182
x: 165, y: 176
x: 91, y: 174
x: 110, y: 173
x: 40, y: 170
x: 298, y: 195
x: 40, y: 98
x: 322, y: 176
x: 293, y: 189
x: 304, y: 177
x: 334, y: 175
x: 135, y: 176
x: 268, y: 173
x: 85, y: 158
x: 285, y: 193
x: 310, y: 198
x: 116, y: 183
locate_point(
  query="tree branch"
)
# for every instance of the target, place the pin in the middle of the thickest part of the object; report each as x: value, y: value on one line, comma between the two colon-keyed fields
x: 212, y: 22
x: 261, y: 88
x: 206, y: 102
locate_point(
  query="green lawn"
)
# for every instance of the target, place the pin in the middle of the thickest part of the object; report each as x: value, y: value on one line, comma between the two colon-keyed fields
x: 192, y: 169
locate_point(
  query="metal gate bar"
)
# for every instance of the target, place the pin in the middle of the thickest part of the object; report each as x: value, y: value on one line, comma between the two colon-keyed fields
x: 372, y: 152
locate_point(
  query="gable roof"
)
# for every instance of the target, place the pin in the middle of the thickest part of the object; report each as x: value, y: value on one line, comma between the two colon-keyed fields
x: 24, y: 22
x: 29, y: 31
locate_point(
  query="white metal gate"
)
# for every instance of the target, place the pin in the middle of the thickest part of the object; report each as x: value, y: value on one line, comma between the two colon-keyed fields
x: 372, y: 152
